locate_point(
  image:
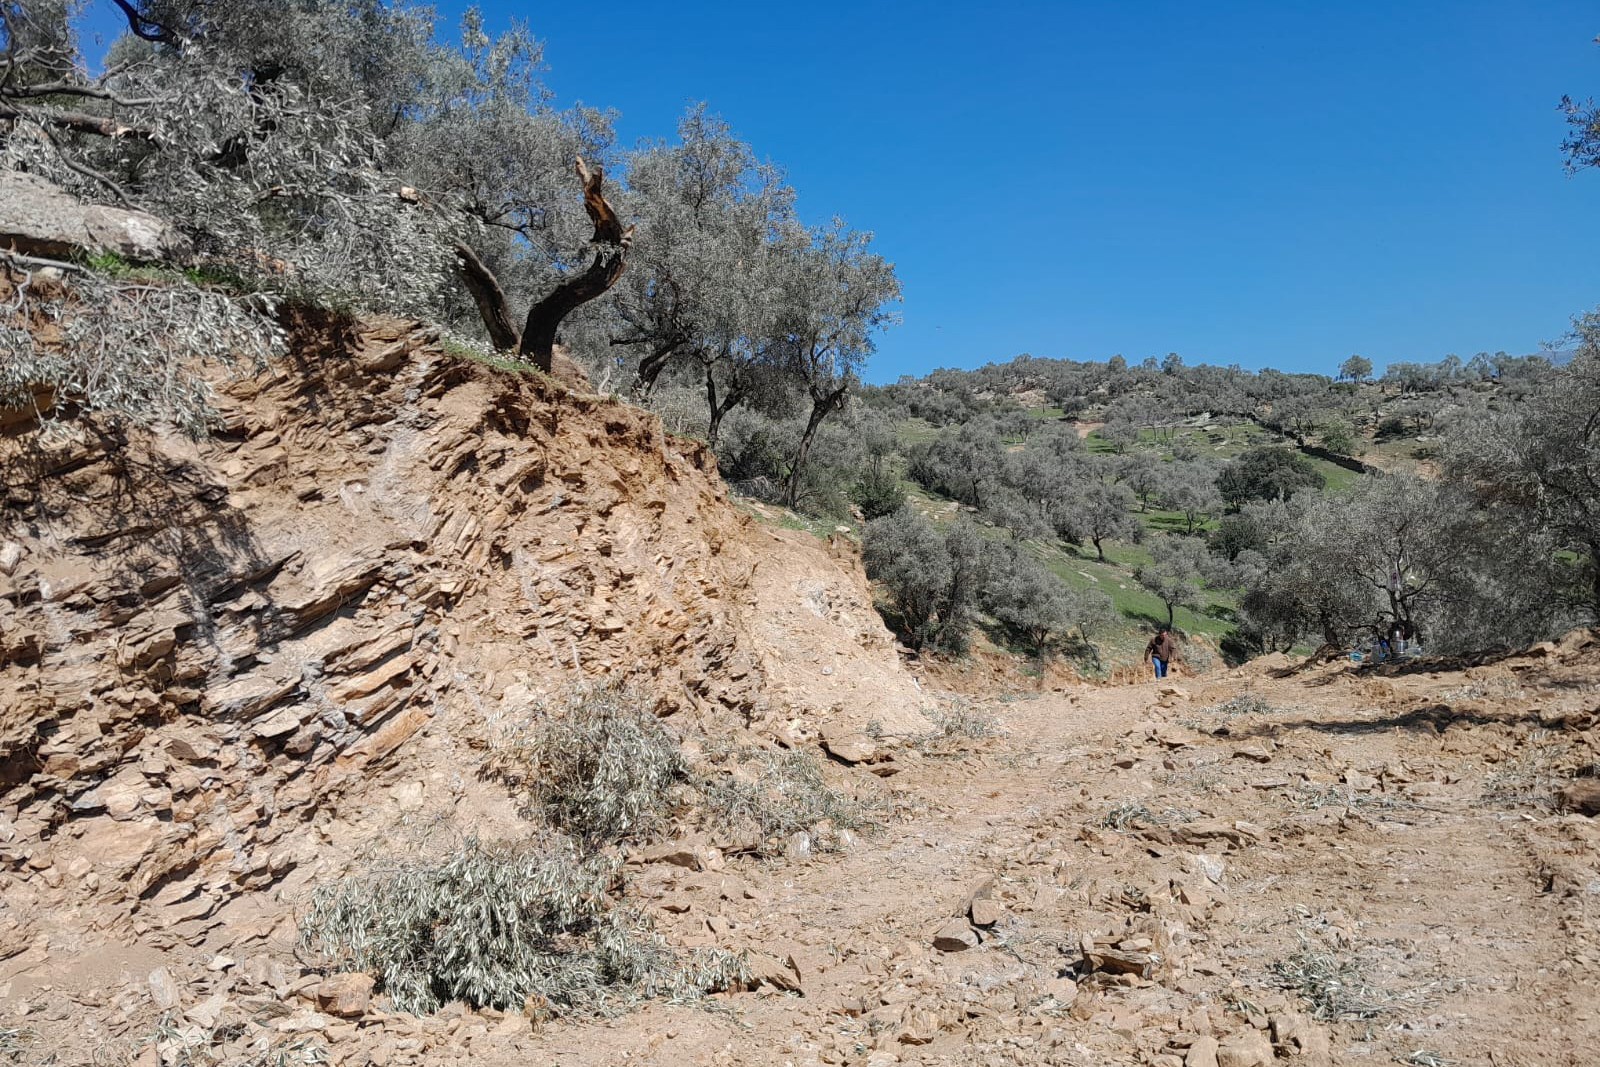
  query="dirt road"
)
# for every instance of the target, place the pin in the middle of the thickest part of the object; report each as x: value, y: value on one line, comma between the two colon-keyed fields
x: 1382, y: 852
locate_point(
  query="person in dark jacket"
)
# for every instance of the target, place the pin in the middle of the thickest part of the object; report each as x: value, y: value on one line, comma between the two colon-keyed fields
x: 1161, y: 650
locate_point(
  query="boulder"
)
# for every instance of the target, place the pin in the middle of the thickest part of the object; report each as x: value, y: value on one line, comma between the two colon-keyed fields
x: 1582, y: 796
x: 347, y: 995
x: 41, y: 219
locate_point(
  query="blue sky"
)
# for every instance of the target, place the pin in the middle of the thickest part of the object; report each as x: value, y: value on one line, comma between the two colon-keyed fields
x: 1274, y: 184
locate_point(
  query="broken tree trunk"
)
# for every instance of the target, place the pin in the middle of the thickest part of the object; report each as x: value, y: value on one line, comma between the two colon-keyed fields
x: 611, y: 243
x: 490, y: 298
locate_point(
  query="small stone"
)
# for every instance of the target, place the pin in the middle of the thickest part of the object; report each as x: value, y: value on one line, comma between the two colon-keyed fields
x: 206, y: 1013
x: 163, y: 989
x: 985, y: 912
x: 278, y: 724
x: 1211, y: 866
x: 1299, y: 1036
x: 1359, y: 782
x: 1258, y: 751
x: 1583, y: 797
x: 850, y: 747
x: 767, y: 970
x: 957, y: 935
x: 1203, y: 1053
x: 10, y: 557
x: 1064, y: 990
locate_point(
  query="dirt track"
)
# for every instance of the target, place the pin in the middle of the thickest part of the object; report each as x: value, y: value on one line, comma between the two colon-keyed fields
x: 1398, y: 828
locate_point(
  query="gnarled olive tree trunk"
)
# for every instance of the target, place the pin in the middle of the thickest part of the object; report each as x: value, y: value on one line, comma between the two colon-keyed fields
x: 536, y: 343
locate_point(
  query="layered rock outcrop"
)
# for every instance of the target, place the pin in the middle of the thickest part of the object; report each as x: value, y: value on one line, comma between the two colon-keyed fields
x: 386, y: 549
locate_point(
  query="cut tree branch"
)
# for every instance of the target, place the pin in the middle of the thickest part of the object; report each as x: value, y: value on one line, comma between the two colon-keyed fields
x: 78, y: 122
x: 610, y: 260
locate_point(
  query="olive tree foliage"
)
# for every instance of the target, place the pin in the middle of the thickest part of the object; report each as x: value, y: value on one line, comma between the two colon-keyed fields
x: 1190, y: 487
x: 829, y: 296
x: 965, y: 462
x: 1045, y: 612
x: 122, y: 347
x: 1582, y: 144
x: 700, y: 291
x: 1355, y: 369
x: 262, y: 130
x: 1173, y: 575
x: 1397, y: 548
x: 1100, y: 513
x: 329, y: 151
x: 1536, y: 470
x: 250, y: 126
x: 933, y: 577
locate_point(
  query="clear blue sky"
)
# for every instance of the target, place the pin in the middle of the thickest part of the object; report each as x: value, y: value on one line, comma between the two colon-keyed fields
x: 1274, y: 184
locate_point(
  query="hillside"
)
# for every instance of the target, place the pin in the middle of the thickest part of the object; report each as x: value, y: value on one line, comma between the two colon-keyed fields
x: 1175, y: 494
x: 229, y: 668
x: 280, y: 654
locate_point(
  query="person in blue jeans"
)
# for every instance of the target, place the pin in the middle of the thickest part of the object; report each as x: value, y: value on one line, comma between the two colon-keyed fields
x: 1160, y: 650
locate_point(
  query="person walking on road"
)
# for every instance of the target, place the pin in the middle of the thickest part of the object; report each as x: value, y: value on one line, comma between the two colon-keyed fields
x: 1159, y: 652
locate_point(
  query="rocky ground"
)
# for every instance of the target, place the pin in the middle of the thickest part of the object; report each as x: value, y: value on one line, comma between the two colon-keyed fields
x: 1327, y: 867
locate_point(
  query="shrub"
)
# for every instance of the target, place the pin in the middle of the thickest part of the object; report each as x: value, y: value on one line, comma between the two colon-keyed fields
x: 961, y: 719
x: 1390, y: 427
x: 877, y: 494
x: 933, y: 577
x: 780, y: 793
x: 602, y: 767
x: 1333, y: 986
x: 500, y: 926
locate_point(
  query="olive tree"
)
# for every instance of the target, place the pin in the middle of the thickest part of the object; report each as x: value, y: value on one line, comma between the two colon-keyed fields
x: 1537, y: 468
x: 1040, y: 608
x: 829, y: 296
x: 934, y: 577
x: 1099, y: 513
x: 1173, y: 574
x: 1355, y: 369
x: 699, y: 288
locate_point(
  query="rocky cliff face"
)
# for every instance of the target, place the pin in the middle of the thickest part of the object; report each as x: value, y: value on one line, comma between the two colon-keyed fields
x: 208, y: 647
